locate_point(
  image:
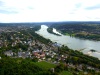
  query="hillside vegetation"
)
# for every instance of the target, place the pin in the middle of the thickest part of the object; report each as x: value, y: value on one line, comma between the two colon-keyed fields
x: 81, y: 30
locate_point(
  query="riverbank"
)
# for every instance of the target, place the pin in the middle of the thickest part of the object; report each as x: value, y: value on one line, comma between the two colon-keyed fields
x: 84, y: 35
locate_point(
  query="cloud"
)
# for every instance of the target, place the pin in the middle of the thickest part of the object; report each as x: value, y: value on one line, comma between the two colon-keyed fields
x: 48, y: 10
x: 97, y: 18
x: 1, y: 3
x: 78, y: 5
x: 7, y: 12
x: 93, y: 7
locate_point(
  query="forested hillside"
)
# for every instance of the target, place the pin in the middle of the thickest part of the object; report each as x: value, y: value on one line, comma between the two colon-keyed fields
x: 82, y: 30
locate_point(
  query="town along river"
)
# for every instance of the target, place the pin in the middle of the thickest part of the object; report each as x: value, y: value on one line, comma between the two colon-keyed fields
x: 74, y: 43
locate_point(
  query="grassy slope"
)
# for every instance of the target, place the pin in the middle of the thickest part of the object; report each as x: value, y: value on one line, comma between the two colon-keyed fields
x: 45, y: 65
x: 65, y: 73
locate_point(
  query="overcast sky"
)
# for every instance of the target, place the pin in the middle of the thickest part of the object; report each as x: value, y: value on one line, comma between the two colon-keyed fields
x: 49, y: 10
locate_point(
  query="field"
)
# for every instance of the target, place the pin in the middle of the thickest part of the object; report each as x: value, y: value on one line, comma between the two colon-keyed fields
x: 65, y: 73
x: 45, y: 65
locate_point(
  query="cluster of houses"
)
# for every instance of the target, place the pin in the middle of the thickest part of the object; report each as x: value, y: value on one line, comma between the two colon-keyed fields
x: 35, y: 49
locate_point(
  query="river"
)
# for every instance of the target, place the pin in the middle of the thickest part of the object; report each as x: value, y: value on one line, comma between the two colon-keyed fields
x: 72, y: 42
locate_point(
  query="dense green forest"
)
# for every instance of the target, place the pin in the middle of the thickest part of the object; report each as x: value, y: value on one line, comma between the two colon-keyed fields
x: 19, y: 66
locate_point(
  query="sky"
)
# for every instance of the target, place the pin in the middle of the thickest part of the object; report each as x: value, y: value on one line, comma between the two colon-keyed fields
x: 49, y: 10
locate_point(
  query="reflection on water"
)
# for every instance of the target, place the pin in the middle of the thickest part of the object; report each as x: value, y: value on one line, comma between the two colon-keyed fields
x: 72, y: 42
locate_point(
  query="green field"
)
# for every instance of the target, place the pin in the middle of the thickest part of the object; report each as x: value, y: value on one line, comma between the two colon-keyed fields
x: 65, y: 73
x: 45, y: 65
